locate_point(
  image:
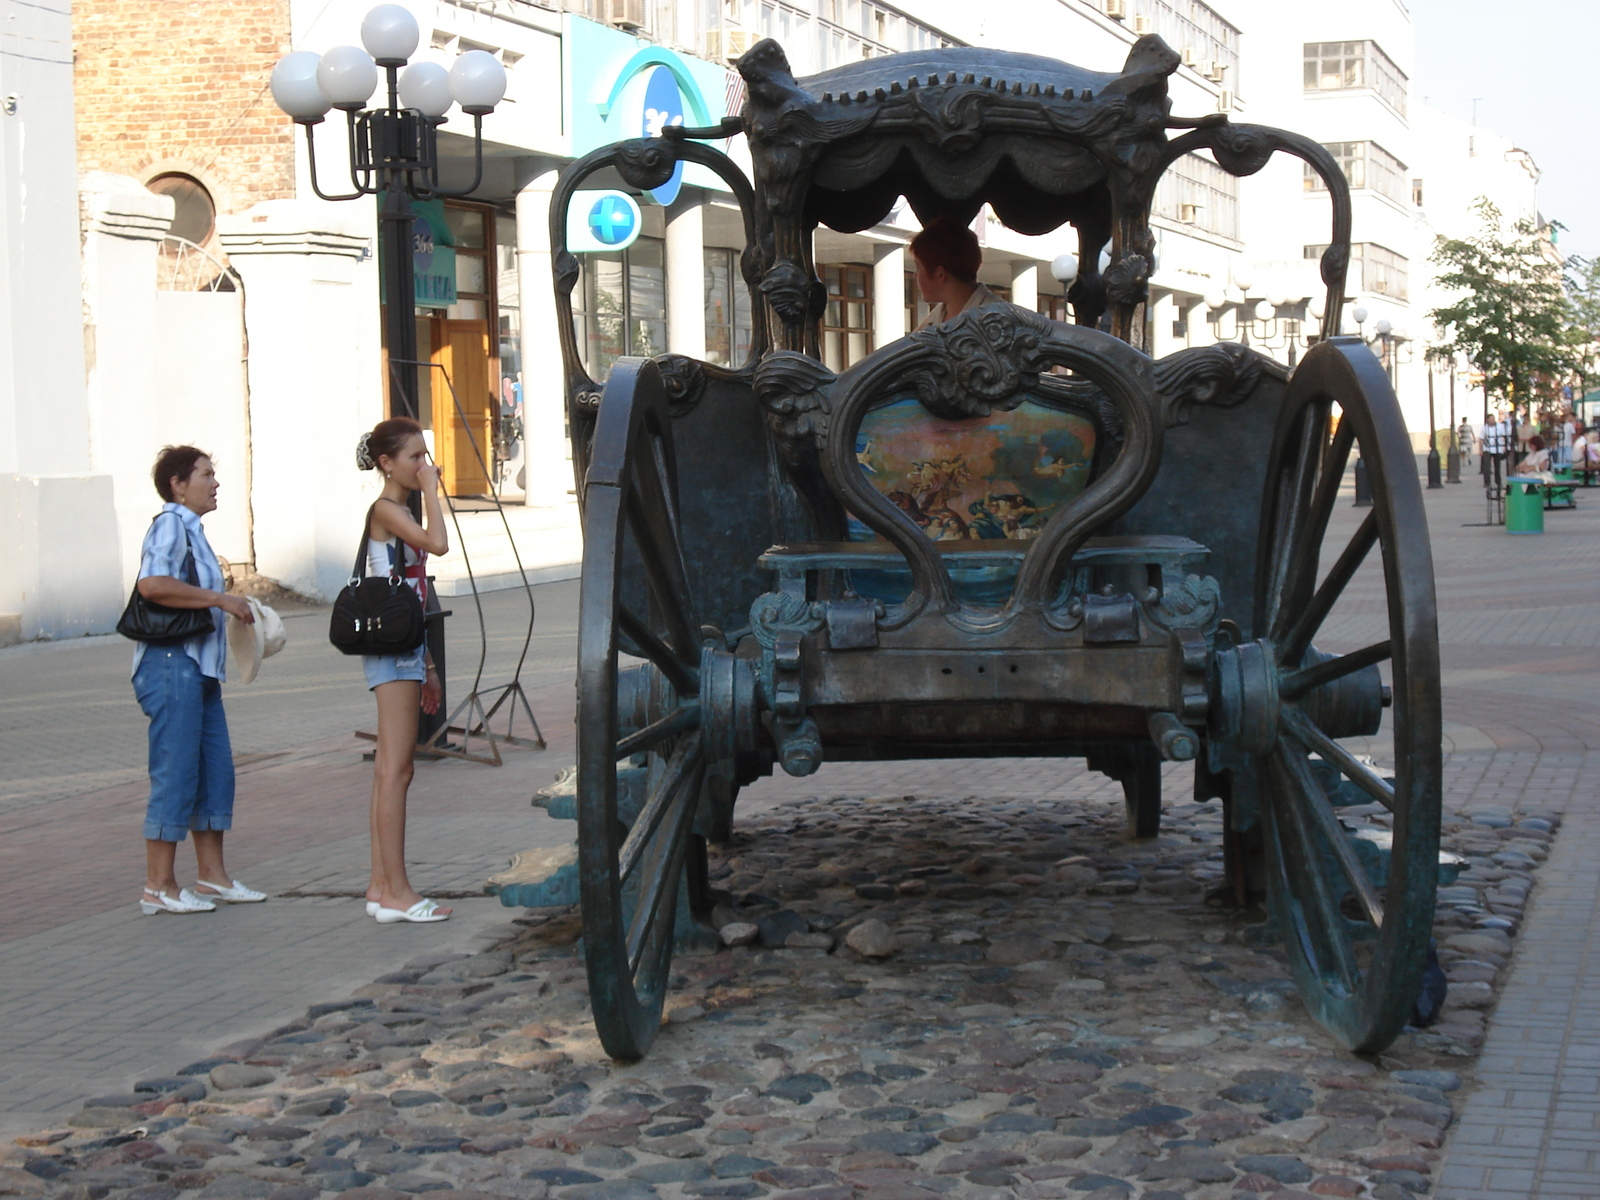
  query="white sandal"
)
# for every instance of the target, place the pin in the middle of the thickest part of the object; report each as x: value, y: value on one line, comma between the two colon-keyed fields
x: 233, y: 893
x: 423, y: 912
x: 185, y: 902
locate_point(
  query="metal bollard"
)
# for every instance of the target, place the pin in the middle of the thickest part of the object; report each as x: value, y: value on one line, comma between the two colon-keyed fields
x: 1363, y: 487
x: 1453, y: 465
x: 1433, y: 468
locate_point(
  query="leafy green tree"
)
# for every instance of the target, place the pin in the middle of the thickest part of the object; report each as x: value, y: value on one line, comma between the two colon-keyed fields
x: 1583, y: 296
x: 1512, y: 319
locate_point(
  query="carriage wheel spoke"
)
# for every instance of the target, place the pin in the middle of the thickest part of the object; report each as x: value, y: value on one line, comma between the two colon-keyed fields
x: 655, y: 911
x: 1316, y: 806
x: 1295, y: 496
x: 1305, y: 731
x: 1293, y: 647
x: 684, y: 678
x: 1308, y: 894
x: 685, y: 758
x: 1294, y: 684
x: 652, y: 518
x: 685, y: 718
x: 1305, y: 552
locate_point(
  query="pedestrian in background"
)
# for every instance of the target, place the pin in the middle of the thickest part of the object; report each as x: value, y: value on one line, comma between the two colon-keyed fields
x: 404, y: 684
x: 179, y: 687
x: 1465, y: 442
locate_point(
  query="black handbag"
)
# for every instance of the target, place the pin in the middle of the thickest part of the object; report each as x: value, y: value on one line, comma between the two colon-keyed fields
x: 376, y: 614
x: 146, y: 621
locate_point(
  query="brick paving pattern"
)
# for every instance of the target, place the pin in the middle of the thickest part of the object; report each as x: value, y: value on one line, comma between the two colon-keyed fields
x: 94, y: 996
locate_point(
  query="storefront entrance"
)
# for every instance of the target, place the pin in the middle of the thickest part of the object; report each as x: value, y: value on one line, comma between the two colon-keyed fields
x: 464, y: 409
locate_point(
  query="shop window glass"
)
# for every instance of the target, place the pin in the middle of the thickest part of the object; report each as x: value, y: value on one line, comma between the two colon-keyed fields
x: 620, y: 305
x: 847, y: 320
x: 728, y: 324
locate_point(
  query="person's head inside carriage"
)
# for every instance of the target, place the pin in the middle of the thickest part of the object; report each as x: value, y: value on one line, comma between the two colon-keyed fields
x: 948, y: 257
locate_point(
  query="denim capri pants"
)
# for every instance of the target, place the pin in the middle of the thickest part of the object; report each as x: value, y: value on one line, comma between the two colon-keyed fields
x: 389, y: 668
x: 191, y: 759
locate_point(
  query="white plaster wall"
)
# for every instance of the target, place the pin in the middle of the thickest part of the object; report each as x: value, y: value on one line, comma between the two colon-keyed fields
x: 311, y: 314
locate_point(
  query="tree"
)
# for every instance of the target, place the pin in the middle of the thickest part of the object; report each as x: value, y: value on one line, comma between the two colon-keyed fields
x: 1512, y: 319
x: 1582, y: 280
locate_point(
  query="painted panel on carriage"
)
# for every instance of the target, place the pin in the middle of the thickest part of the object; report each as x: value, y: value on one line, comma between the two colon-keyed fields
x: 620, y: 86
x: 997, y: 477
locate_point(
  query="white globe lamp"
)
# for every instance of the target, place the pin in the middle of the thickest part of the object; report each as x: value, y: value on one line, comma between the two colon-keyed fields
x: 1383, y: 326
x: 295, y: 89
x: 1064, y: 267
x: 425, y: 86
x: 1265, y: 310
x: 478, y: 82
x: 347, y: 76
x: 390, y: 34
x: 1215, y: 299
x: 1359, y: 314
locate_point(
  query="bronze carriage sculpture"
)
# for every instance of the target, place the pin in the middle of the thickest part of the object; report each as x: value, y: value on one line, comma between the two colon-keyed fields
x: 752, y: 598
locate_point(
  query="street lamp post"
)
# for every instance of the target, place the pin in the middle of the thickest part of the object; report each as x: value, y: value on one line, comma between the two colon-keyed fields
x: 393, y: 152
x: 1434, y: 480
x: 1453, y: 464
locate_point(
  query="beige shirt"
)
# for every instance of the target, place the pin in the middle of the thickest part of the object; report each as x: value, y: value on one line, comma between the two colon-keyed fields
x: 981, y: 297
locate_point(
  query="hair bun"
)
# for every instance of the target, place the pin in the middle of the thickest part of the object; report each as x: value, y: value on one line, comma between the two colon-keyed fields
x: 363, y: 455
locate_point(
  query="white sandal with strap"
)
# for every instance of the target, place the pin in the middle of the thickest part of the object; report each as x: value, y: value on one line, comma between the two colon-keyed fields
x: 423, y: 912
x: 233, y: 893
x: 185, y: 902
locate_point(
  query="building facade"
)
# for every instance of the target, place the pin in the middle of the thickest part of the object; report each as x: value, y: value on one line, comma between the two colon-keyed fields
x: 269, y: 296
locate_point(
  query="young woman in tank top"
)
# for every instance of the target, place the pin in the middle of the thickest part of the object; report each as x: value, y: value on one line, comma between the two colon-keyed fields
x: 403, y: 683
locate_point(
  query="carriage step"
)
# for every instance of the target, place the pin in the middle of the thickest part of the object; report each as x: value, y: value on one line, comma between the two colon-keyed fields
x: 543, y: 878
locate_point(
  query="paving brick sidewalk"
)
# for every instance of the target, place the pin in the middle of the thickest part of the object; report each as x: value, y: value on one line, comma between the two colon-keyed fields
x: 92, y: 995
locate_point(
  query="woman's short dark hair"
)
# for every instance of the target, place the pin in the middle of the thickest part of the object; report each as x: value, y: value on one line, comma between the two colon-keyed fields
x: 946, y: 242
x: 387, y: 438
x: 1536, y: 442
x: 174, y: 462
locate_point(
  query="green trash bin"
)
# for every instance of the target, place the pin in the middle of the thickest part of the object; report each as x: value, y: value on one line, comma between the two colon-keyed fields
x: 1524, y: 506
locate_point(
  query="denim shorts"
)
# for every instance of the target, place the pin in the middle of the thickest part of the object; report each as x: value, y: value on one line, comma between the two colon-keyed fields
x: 191, y: 758
x: 389, y: 668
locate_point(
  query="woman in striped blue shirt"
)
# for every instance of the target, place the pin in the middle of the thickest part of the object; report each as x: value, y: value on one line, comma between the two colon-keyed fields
x: 179, y: 686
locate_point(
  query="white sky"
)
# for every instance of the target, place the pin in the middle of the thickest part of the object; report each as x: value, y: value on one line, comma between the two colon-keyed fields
x: 1533, y: 65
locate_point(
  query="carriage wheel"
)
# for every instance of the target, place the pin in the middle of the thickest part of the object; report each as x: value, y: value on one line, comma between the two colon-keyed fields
x: 1357, y: 939
x: 633, y: 859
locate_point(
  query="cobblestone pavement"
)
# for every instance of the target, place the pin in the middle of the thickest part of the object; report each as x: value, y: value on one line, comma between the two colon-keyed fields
x: 1034, y: 1032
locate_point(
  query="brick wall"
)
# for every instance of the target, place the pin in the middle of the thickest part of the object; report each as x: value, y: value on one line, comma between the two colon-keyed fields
x: 181, y: 85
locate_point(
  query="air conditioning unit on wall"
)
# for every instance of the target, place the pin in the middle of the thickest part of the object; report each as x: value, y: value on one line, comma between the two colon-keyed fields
x: 1225, y: 100
x: 626, y: 14
x: 1143, y: 25
x: 729, y: 43
x: 1117, y: 10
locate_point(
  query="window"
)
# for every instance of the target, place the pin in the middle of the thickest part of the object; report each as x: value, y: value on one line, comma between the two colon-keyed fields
x: 1338, y: 66
x: 847, y: 321
x: 474, y: 244
x: 194, y: 213
x: 1416, y: 192
x: 728, y: 325
x: 621, y: 305
x: 1365, y: 165
x: 1382, y: 272
x: 1055, y: 307
x: 1197, y: 192
x: 840, y: 32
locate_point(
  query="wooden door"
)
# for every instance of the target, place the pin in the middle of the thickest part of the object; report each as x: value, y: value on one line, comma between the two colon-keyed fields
x: 463, y: 423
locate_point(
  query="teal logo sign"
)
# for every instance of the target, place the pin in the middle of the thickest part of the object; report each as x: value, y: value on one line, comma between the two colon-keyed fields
x: 663, y: 106
x: 602, y: 220
x: 433, y: 258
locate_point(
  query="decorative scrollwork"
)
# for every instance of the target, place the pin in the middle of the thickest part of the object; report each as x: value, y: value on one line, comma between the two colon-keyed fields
x: 1220, y: 376
x: 685, y: 381
x: 981, y: 360
x: 1196, y: 603
x: 646, y: 162
x: 566, y: 270
x: 1126, y: 279
x: 794, y: 390
x: 1242, y: 149
x: 779, y: 616
x: 587, y: 400
x: 788, y: 289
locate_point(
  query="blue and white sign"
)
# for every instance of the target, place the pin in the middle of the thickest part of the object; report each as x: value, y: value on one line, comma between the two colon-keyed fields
x: 602, y: 220
x: 663, y: 106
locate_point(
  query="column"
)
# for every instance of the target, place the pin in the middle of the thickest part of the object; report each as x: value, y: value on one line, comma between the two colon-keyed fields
x: 547, y: 453
x: 888, y: 295
x: 686, y: 276
x: 311, y: 315
x: 1163, y: 312
x: 1025, y: 285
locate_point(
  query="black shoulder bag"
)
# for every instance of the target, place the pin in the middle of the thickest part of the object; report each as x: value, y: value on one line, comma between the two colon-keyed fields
x: 146, y: 621
x: 376, y: 614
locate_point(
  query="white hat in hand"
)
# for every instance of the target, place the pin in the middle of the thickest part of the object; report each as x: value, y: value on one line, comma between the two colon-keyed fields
x: 252, y: 643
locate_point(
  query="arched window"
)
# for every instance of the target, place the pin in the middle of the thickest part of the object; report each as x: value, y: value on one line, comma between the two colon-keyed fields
x: 195, y: 213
